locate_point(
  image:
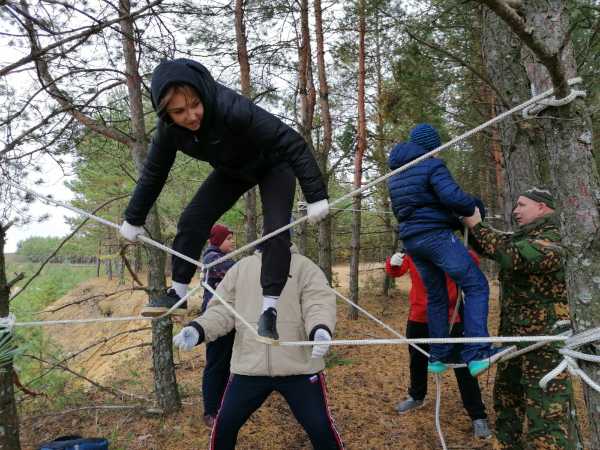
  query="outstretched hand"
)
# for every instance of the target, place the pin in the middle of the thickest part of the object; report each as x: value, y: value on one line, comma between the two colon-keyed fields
x: 186, y: 339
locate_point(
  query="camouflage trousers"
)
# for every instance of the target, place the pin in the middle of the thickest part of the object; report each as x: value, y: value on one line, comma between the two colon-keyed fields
x: 528, y: 417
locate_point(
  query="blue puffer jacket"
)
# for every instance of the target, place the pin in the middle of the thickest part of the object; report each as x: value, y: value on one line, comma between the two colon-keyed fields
x: 425, y: 197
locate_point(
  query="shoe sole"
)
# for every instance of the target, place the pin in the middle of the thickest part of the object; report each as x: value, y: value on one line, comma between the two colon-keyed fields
x: 495, y: 358
x: 156, y: 311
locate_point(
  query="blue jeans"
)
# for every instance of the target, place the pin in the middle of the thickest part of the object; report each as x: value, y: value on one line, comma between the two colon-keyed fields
x: 436, y: 253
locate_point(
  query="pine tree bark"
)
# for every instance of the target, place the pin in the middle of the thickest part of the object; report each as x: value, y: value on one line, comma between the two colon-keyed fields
x: 361, y: 146
x: 306, y: 90
x: 325, y: 226
x: 251, y: 224
x: 525, y: 164
x: 9, y: 419
x: 165, y: 382
x: 390, y: 239
x: 565, y: 143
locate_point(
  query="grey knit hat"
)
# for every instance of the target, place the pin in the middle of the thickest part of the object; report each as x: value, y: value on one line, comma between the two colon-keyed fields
x: 540, y: 195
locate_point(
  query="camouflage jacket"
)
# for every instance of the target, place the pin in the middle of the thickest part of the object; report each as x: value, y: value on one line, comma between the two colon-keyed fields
x: 532, y: 279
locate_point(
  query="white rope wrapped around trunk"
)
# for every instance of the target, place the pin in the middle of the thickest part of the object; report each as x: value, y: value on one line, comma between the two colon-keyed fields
x: 7, y: 323
x: 533, y: 110
x: 570, y: 357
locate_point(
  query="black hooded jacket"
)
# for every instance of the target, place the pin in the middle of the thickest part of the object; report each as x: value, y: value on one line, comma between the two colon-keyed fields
x: 237, y: 138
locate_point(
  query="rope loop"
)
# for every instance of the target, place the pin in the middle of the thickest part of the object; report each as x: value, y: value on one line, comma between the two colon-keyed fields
x: 7, y: 323
x: 531, y: 111
x: 571, y: 356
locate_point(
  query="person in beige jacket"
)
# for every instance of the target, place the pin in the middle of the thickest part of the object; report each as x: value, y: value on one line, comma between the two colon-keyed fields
x: 307, y: 311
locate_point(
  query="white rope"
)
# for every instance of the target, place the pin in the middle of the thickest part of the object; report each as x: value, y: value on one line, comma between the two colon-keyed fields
x: 376, y: 320
x: 80, y: 321
x: 438, y: 405
x: 452, y: 340
x: 557, y: 326
x: 108, y: 223
x: 103, y: 319
x: 235, y: 313
x: 372, y: 211
x: 7, y: 323
x: 570, y: 357
x: 532, y: 111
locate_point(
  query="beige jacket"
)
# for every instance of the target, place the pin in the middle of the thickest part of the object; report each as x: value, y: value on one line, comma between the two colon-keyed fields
x: 306, y: 302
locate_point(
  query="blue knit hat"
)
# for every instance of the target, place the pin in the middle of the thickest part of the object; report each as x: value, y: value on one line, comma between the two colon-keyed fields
x: 426, y: 136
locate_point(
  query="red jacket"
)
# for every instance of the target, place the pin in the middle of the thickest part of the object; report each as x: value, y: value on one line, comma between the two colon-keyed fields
x: 417, y: 296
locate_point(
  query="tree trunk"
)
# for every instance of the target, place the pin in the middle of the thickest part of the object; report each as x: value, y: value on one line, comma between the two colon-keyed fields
x: 325, y: 226
x: 9, y: 420
x: 358, y: 159
x: 251, y: 225
x: 108, y: 267
x: 525, y: 163
x: 165, y: 382
x: 565, y: 142
x: 137, y: 259
x: 306, y: 89
x: 390, y: 239
x: 302, y: 231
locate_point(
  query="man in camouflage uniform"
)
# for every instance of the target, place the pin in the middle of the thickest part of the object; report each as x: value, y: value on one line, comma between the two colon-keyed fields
x: 533, y: 300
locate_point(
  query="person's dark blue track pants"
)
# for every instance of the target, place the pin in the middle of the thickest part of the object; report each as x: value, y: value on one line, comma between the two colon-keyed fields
x: 306, y: 395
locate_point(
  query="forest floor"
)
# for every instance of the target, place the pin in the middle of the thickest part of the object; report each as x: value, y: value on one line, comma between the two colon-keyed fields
x: 364, y: 383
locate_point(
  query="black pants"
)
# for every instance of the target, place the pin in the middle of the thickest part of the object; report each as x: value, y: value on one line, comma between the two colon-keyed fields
x: 306, y: 395
x: 216, y: 372
x: 217, y: 195
x: 467, y: 384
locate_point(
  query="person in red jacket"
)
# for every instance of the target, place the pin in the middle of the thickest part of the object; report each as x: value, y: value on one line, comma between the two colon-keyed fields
x: 416, y: 327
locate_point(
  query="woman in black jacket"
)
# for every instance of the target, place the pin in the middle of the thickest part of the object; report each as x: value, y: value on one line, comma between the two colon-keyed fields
x: 246, y: 146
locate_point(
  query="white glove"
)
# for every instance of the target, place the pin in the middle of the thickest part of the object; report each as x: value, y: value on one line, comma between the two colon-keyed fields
x: 130, y: 232
x: 319, y: 350
x: 396, y: 259
x: 317, y: 211
x: 186, y: 339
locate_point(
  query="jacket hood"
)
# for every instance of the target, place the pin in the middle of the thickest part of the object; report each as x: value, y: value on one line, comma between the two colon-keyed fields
x: 404, y: 153
x: 184, y: 71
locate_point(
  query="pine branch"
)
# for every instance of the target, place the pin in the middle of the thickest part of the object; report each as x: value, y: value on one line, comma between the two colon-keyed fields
x: 64, y: 241
x: 121, y: 350
x: 95, y: 344
x: 550, y: 59
x: 39, y: 52
x: 113, y: 391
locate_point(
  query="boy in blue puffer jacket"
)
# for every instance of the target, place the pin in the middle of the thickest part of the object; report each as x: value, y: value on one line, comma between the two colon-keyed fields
x: 426, y: 201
